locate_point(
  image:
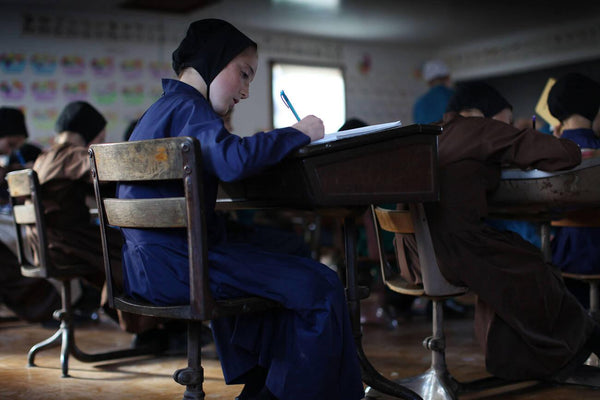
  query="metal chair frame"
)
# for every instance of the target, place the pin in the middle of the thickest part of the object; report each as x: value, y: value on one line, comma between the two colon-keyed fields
x: 436, y: 383
x: 28, y: 211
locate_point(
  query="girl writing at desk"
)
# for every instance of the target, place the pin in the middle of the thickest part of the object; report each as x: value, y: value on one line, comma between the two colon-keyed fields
x: 304, y: 351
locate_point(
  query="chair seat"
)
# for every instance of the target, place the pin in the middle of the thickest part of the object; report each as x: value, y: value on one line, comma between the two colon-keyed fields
x: 400, y: 285
x: 581, y: 277
x: 223, y: 308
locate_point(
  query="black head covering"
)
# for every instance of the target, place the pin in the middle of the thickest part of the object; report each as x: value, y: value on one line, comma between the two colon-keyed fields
x: 477, y: 95
x: 574, y: 94
x: 82, y: 118
x: 352, y: 123
x: 12, y: 122
x: 209, y: 45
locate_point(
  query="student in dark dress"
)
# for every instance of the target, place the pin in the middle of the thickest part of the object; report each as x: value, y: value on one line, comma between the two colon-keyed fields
x: 304, y: 351
x: 528, y: 323
x: 575, y: 101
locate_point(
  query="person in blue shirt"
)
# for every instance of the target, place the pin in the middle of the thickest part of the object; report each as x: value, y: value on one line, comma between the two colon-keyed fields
x: 575, y: 100
x: 430, y: 107
x: 303, y: 351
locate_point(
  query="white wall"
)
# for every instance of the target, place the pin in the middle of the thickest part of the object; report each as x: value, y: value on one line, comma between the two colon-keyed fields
x: 525, y: 50
x: 380, y: 83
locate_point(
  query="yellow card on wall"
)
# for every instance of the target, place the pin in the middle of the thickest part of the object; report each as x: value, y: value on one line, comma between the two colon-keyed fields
x: 542, y: 105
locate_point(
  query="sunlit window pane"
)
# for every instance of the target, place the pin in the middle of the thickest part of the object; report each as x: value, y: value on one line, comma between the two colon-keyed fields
x: 311, y: 90
x: 327, y: 4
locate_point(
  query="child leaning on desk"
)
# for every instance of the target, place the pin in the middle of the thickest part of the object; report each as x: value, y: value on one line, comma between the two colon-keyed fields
x: 528, y: 324
x: 304, y: 351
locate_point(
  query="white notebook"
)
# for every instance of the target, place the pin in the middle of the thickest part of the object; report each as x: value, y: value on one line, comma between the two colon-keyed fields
x: 365, y: 130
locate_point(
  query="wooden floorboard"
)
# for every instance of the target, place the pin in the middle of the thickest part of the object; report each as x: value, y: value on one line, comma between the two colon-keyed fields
x: 395, y: 353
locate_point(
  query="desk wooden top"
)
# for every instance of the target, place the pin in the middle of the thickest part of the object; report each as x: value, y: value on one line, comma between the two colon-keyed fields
x: 396, y: 165
x: 552, y: 194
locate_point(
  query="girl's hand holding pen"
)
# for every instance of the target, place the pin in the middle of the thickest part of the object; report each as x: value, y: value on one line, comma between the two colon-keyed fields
x: 311, y: 126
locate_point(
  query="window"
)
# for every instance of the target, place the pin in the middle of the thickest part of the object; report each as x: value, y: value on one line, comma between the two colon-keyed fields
x: 317, y: 90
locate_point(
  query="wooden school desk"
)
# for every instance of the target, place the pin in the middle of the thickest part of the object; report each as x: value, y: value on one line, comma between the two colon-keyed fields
x: 342, y: 175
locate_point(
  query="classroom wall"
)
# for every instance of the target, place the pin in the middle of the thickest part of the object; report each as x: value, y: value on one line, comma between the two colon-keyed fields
x: 525, y: 50
x: 116, y: 63
x: 519, y: 65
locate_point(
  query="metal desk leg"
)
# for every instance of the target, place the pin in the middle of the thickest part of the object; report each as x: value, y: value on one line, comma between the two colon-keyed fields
x: 545, y: 241
x: 369, y: 374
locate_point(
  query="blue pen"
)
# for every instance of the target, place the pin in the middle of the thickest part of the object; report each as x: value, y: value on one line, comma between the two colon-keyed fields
x: 288, y: 104
x: 20, y: 157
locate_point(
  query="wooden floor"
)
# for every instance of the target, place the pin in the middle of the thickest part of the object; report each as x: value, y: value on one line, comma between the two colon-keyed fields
x: 396, y: 353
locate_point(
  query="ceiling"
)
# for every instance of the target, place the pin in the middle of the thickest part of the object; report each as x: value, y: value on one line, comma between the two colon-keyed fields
x: 431, y: 23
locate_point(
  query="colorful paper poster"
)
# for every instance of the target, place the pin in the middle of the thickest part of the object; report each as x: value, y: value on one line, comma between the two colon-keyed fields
x: 72, y: 64
x: 103, y: 66
x: 12, y: 62
x: 132, y: 69
x: 43, y: 119
x: 74, y: 91
x: 45, y: 90
x: 161, y: 69
x: 43, y: 64
x: 12, y: 90
x: 105, y: 93
x: 112, y: 117
x: 133, y: 94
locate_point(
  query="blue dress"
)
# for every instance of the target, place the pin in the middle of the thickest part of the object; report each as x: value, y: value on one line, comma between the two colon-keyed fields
x: 576, y: 249
x: 308, y: 346
x: 430, y: 107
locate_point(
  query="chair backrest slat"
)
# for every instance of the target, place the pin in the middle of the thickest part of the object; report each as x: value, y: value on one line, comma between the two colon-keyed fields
x: 415, y: 221
x: 24, y: 214
x: 19, y: 184
x: 146, y: 213
x: 141, y: 160
x: 396, y: 221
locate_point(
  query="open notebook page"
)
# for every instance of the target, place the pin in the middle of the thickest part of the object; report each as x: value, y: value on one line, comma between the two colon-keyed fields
x: 357, y: 132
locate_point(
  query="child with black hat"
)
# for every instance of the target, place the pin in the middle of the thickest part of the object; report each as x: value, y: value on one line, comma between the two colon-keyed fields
x: 64, y: 174
x: 13, y: 134
x: 304, y: 351
x: 575, y: 101
x: 13, y: 131
x: 527, y: 322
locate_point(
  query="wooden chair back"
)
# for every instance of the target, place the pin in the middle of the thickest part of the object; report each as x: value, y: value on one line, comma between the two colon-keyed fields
x: 28, y: 212
x: 176, y: 159
x: 413, y: 221
x: 171, y: 159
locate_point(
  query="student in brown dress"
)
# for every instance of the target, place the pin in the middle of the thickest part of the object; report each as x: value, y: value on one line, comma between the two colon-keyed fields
x: 64, y: 174
x: 527, y: 322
